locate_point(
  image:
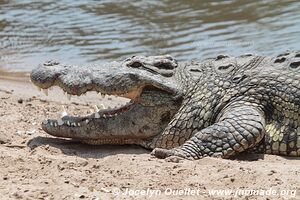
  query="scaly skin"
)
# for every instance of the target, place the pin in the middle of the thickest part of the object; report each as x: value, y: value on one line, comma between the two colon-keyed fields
x: 218, y: 107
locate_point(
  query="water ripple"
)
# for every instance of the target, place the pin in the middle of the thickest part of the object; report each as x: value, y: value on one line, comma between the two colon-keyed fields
x: 86, y: 32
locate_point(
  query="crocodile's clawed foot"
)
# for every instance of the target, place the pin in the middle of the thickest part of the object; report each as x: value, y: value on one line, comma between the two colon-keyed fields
x: 165, y: 153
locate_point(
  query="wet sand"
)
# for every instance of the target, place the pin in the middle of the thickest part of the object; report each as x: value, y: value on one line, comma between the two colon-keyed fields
x: 34, y: 165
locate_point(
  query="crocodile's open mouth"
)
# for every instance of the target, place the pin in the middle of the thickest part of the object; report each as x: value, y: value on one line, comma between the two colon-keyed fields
x: 152, y: 100
x: 100, y: 111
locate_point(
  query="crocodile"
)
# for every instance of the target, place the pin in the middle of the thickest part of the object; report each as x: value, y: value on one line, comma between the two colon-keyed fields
x: 217, y: 107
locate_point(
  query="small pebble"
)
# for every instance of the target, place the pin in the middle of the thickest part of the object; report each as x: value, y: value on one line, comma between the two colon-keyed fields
x: 30, y: 132
x: 19, y: 133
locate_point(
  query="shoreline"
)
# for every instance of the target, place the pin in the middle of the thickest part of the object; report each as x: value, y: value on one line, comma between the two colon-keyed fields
x: 14, y: 76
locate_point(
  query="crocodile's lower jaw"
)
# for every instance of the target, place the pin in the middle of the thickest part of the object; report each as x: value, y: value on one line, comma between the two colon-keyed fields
x: 101, y: 113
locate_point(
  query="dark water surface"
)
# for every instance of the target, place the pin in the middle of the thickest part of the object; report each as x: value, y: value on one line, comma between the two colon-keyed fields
x: 85, y: 32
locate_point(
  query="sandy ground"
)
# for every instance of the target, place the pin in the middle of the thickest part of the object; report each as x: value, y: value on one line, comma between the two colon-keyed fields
x: 34, y: 165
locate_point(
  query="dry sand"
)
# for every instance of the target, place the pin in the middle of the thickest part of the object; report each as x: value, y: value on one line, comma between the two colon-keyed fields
x: 34, y: 165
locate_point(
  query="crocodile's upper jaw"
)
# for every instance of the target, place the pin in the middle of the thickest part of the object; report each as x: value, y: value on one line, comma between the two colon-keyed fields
x: 152, y: 102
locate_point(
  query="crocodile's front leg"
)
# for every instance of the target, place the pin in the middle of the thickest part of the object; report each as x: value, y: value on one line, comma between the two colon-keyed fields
x: 238, y: 128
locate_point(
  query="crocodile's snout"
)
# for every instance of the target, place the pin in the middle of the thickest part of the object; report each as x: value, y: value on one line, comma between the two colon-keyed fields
x: 111, y: 78
x: 45, y: 75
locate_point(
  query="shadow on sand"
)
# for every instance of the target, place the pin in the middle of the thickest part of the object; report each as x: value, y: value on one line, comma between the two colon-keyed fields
x: 75, y: 148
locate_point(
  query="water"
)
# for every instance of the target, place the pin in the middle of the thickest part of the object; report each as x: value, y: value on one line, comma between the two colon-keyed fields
x: 86, y: 32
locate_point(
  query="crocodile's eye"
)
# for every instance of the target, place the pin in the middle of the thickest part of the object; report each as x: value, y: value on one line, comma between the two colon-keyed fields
x: 165, y: 65
x: 219, y: 57
x: 280, y: 60
x: 294, y: 65
x: 135, y: 64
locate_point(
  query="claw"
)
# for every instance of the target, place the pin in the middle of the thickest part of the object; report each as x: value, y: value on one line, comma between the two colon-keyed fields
x: 162, y: 153
x: 45, y: 91
x: 165, y: 153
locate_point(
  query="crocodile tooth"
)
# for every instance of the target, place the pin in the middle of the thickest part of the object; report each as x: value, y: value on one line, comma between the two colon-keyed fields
x: 51, y: 123
x: 74, y: 124
x: 64, y: 113
x: 96, y: 108
x: 45, y: 91
x: 97, y: 115
x: 60, y: 122
x: 55, y: 124
x: 68, y: 123
x: 104, y: 116
x: 69, y: 97
x: 103, y: 95
x: 78, y: 124
x: 102, y: 106
x: 87, y: 121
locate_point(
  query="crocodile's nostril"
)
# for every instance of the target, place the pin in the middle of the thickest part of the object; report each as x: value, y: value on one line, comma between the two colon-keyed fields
x: 51, y: 63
